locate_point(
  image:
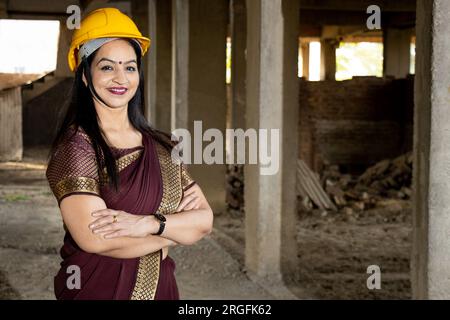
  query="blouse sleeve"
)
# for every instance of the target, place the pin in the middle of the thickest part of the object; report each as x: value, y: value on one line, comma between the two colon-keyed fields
x: 186, y: 179
x: 73, y: 170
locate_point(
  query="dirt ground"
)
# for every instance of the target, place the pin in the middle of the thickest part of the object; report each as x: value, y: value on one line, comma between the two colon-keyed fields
x: 335, y: 249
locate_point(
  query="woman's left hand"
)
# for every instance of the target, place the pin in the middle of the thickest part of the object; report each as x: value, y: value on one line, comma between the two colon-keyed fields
x: 115, y: 223
x: 191, y: 199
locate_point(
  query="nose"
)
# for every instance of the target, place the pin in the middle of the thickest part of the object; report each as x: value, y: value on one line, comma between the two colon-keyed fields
x: 120, y: 76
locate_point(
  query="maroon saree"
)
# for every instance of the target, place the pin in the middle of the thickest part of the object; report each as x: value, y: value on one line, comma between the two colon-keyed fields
x: 149, y: 182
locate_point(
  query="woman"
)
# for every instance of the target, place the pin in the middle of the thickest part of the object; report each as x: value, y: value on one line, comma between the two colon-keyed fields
x: 113, y: 176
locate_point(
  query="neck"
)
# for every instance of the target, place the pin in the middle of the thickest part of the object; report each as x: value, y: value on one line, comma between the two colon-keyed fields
x: 112, y: 119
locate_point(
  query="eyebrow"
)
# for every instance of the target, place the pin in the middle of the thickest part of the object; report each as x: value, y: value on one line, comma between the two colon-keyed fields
x: 106, y: 59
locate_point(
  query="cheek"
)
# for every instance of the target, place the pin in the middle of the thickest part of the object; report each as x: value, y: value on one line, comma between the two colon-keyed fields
x: 134, y: 81
x: 99, y: 80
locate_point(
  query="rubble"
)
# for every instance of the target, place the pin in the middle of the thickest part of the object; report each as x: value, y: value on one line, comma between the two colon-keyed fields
x: 386, y: 184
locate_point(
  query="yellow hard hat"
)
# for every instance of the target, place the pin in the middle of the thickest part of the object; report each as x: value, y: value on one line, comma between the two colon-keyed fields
x: 104, y: 23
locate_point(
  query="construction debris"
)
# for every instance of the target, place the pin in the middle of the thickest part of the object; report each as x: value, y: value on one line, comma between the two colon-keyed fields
x: 308, y: 187
x: 389, y: 179
x: 386, y: 184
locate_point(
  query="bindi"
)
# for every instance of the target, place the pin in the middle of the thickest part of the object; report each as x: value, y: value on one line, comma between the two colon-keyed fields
x: 120, y: 62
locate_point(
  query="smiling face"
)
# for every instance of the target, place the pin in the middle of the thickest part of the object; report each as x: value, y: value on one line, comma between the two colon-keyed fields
x: 115, y: 74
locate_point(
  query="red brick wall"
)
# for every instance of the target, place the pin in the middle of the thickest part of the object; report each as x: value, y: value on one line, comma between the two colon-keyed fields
x: 355, y: 123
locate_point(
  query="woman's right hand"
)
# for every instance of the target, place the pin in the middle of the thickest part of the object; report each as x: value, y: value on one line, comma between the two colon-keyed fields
x: 114, y: 223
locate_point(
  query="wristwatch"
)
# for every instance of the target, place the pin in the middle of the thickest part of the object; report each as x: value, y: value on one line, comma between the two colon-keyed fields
x: 162, y: 223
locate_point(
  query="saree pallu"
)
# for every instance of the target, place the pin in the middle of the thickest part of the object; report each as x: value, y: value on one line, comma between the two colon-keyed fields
x: 149, y: 182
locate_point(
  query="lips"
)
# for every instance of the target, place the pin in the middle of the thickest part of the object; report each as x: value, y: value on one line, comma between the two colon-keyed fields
x: 118, y: 90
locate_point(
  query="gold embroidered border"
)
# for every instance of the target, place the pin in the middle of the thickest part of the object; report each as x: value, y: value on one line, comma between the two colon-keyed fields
x: 186, y: 179
x: 76, y: 184
x: 122, y: 163
x: 149, y: 265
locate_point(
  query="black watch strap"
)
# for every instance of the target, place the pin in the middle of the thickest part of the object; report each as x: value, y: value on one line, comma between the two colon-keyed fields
x: 162, y: 223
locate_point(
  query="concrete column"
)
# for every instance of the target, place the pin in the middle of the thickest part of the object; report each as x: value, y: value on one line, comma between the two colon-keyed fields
x: 11, y: 146
x: 396, y: 52
x: 159, y: 58
x: 238, y: 38
x: 153, y: 18
x: 327, y: 59
x: 305, y: 58
x: 180, y: 64
x: 198, y: 83
x: 141, y: 13
x: 272, y: 103
x: 430, y: 272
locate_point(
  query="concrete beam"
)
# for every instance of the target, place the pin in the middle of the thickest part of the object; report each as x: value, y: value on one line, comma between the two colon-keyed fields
x: 358, y: 5
x: 357, y: 18
x: 44, y: 6
x: 430, y: 258
x: 272, y: 103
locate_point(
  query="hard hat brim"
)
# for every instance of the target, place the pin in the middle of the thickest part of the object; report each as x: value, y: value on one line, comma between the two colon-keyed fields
x: 72, y: 57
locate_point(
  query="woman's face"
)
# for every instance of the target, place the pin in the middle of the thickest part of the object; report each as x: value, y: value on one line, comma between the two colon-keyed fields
x: 115, y: 74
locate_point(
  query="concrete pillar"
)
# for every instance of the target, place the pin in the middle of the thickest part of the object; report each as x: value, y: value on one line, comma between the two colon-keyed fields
x: 11, y: 146
x: 272, y: 103
x: 180, y: 64
x: 430, y: 272
x: 305, y: 58
x: 396, y: 52
x: 238, y: 38
x: 327, y: 59
x: 160, y: 62
x: 142, y: 14
x: 198, y: 83
x: 154, y: 16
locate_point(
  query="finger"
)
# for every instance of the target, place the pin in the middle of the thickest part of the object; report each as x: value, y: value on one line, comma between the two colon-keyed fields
x: 107, y: 228
x: 186, y: 200
x: 115, y: 234
x: 191, y: 205
x: 182, y: 204
x: 105, y: 212
x: 103, y: 221
x: 189, y: 191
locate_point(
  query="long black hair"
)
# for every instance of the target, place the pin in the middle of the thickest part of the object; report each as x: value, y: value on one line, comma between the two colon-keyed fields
x: 80, y: 112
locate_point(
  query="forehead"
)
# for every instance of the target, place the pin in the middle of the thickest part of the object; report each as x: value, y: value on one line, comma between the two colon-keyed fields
x: 116, y: 50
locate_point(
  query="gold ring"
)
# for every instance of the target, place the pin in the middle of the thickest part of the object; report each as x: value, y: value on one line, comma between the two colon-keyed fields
x: 114, y: 219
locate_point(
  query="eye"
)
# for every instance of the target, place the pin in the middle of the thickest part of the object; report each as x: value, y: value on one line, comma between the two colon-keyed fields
x: 131, y: 69
x: 106, y: 68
